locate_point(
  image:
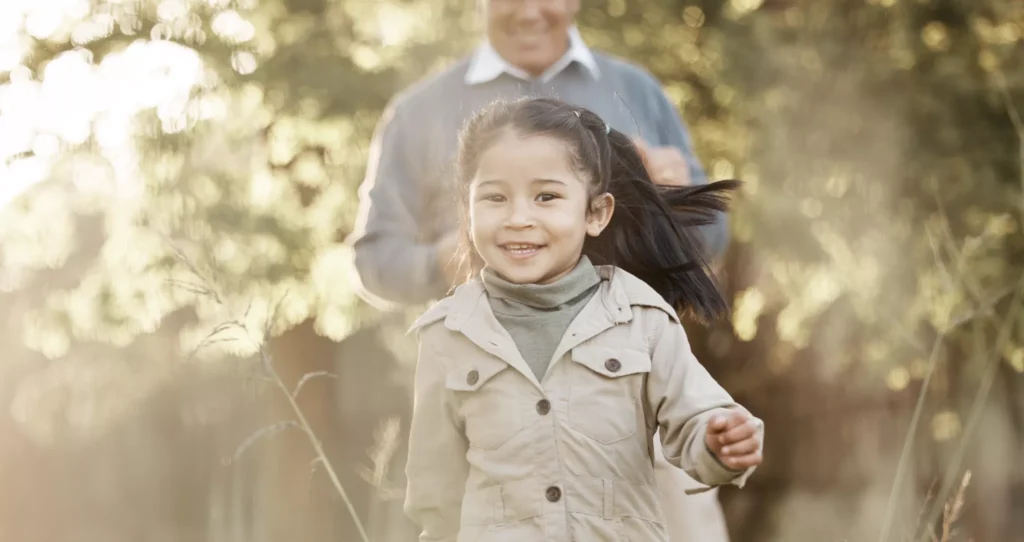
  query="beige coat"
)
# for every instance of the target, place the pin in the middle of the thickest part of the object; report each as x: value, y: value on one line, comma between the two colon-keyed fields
x: 497, y: 456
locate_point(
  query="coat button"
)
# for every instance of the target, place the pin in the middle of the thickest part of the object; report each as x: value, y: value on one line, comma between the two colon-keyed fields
x: 472, y: 377
x: 613, y: 365
x: 543, y: 407
x: 553, y: 494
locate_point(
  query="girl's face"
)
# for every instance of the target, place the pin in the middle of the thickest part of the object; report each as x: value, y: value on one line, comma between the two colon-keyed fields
x: 528, y: 209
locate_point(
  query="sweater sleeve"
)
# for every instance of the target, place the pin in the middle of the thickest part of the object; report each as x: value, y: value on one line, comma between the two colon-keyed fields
x: 395, y: 267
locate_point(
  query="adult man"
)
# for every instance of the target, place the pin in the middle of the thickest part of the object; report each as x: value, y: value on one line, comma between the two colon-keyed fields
x: 405, y: 238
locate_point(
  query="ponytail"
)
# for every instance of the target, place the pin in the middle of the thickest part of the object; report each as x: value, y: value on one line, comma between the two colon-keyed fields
x: 653, y: 231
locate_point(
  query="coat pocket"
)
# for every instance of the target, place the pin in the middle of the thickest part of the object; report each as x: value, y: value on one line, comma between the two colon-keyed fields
x: 489, y: 402
x: 604, y: 391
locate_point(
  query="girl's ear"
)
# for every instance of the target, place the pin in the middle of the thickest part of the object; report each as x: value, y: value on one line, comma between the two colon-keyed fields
x: 601, y: 209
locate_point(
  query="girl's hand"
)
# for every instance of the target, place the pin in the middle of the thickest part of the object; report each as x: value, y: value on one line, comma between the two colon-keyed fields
x: 736, y: 439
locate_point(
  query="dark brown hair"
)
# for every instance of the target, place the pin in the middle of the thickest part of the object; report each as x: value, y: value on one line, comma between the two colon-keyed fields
x: 652, y: 233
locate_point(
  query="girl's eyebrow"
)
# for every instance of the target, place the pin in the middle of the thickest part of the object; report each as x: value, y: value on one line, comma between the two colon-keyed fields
x: 549, y: 181
x: 491, y: 181
x: 535, y: 181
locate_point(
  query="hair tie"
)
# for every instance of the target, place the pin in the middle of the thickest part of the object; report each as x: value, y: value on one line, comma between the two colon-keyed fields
x: 607, y: 129
x: 577, y: 113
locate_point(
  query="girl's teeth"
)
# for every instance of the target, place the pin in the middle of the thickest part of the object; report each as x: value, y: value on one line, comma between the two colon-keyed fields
x: 522, y: 249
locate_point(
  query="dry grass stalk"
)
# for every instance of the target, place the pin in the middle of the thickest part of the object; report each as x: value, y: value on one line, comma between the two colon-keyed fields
x: 205, y: 288
x: 982, y: 308
x: 386, y: 442
x: 951, y: 512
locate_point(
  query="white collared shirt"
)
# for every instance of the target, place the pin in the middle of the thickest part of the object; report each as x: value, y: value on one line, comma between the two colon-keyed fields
x: 486, y: 64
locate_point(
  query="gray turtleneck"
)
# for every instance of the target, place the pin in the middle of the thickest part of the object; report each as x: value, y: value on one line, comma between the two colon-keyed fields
x: 537, y: 315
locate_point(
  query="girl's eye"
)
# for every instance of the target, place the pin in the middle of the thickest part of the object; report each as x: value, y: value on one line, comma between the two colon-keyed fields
x: 496, y: 198
x: 547, y: 196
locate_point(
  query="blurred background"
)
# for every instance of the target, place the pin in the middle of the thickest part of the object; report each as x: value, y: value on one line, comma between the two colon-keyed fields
x: 176, y: 174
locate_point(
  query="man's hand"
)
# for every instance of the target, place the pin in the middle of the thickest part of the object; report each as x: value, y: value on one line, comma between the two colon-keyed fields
x: 736, y: 439
x: 665, y: 165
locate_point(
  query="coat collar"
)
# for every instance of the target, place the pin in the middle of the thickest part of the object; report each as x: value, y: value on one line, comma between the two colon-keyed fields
x: 468, y: 312
x: 619, y: 292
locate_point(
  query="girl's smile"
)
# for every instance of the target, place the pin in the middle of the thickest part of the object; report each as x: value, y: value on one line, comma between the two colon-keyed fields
x: 521, y: 251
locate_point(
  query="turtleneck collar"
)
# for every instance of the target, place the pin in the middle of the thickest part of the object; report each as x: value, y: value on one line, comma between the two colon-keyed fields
x: 580, y: 280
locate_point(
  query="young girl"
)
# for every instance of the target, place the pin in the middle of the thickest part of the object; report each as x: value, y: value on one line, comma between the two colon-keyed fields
x: 543, y: 380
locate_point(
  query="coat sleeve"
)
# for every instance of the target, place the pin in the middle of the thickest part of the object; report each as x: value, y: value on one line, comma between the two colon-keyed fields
x: 395, y: 266
x: 682, y: 397
x: 437, y: 468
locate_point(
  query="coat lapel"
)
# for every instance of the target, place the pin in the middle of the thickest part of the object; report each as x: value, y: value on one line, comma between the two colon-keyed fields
x: 472, y: 316
x: 606, y: 309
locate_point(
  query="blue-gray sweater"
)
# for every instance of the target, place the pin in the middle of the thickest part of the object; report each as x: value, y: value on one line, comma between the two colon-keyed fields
x: 407, y: 199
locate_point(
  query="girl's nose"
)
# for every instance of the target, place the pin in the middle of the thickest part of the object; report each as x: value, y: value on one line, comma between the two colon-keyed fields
x: 521, y: 216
